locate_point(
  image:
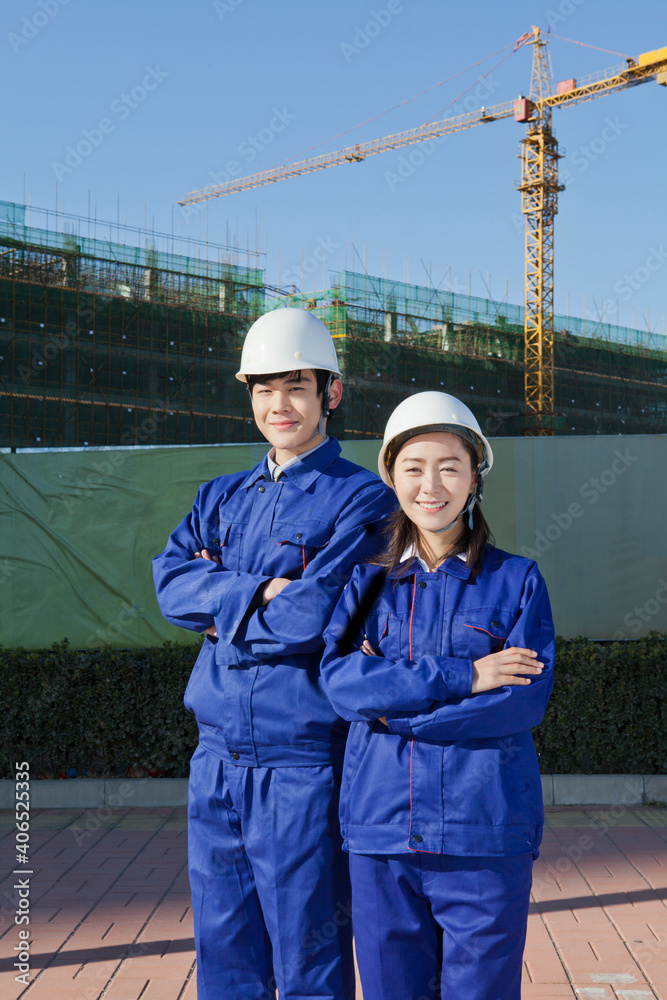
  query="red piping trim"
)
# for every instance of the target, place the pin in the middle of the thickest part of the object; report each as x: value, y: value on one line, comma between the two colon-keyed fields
x: 386, y: 629
x: 478, y: 628
x: 412, y: 611
x: 223, y: 542
x: 303, y: 550
x: 412, y: 741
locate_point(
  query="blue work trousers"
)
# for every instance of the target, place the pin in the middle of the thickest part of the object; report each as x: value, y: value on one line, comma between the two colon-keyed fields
x: 431, y: 926
x: 269, y: 881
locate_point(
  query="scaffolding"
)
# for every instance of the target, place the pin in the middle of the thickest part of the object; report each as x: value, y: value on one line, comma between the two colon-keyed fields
x: 105, y: 342
x: 394, y: 339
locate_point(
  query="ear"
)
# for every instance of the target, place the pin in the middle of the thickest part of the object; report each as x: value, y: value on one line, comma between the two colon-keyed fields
x: 335, y: 393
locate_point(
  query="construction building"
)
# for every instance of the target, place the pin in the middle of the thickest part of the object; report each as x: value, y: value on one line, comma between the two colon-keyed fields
x: 107, y: 343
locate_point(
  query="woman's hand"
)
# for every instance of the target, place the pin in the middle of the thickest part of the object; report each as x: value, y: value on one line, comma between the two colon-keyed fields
x: 498, y: 669
x: 274, y: 587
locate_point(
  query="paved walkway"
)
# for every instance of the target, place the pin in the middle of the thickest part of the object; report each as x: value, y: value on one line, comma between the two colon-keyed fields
x: 110, y: 907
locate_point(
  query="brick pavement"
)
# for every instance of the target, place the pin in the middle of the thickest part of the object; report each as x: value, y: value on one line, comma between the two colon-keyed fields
x: 110, y: 907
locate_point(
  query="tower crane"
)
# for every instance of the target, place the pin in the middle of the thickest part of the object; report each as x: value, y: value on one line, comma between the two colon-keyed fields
x: 539, y: 189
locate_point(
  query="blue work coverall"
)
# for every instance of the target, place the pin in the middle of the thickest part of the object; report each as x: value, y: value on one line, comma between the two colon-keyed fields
x: 269, y: 882
x: 441, y: 808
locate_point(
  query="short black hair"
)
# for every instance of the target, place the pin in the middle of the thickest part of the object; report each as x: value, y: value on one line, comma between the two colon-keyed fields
x: 321, y: 377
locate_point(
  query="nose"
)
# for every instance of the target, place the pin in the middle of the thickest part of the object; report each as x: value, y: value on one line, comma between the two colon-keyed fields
x: 281, y: 402
x: 431, y: 483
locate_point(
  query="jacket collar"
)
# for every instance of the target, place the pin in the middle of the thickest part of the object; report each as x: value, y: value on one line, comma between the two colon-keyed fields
x: 453, y: 566
x: 302, y: 474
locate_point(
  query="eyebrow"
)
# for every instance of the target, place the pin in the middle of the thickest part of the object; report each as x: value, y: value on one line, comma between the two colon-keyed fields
x: 449, y: 458
x: 303, y: 377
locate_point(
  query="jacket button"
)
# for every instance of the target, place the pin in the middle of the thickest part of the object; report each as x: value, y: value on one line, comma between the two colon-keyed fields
x: 235, y: 756
x: 262, y: 489
x: 216, y: 541
x: 299, y: 535
x: 495, y: 624
x: 422, y: 584
x: 417, y: 839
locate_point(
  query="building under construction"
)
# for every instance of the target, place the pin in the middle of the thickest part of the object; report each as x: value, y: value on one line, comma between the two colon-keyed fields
x: 108, y: 343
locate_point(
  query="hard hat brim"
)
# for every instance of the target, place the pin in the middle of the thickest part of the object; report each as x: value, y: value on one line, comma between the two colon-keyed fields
x: 299, y: 366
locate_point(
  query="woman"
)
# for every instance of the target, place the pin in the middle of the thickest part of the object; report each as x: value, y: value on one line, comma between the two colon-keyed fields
x: 441, y: 656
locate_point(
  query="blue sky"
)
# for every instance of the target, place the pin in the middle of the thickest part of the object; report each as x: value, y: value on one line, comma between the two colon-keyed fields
x: 255, y: 82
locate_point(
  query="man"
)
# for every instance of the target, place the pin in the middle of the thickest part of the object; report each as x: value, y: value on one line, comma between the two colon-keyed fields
x: 259, y: 565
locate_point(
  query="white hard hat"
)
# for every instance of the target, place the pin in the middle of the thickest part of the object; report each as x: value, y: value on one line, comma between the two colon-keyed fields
x: 287, y: 340
x: 432, y: 411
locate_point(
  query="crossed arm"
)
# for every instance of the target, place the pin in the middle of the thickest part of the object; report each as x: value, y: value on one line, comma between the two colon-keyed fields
x: 270, y: 589
x: 442, y: 697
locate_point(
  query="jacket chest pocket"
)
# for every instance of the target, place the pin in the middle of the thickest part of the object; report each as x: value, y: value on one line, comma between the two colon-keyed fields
x: 480, y: 631
x: 223, y: 539
x: 385, y: 631
x: 300, y: 542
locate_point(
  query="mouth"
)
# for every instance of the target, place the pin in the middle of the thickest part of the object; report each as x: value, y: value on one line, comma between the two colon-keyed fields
x: 431, y: 504
x: 284, y: 425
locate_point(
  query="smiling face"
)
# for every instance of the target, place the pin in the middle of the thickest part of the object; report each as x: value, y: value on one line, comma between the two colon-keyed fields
x: 287, y: 412
x: 433, y: 476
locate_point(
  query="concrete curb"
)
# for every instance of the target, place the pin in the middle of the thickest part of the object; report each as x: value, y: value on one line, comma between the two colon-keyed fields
x: 100, y: 793
x: 116, y: 793
x: 604, y: 789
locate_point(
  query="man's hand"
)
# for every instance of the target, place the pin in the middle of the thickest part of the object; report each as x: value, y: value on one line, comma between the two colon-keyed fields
x: 498, y: 669
x: 368, y: 650
x: 271, y: 590
x: 274, y: 587
x: 205, y: 554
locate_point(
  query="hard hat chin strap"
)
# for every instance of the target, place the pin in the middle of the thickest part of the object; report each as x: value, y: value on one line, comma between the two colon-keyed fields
x: 321, y: 429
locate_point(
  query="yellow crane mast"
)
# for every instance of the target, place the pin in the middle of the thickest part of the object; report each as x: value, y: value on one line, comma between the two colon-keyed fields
x: 539, y: 189
x: 539, y: 203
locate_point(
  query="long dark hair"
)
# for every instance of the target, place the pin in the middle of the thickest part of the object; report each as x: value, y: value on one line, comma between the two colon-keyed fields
x: 401, y: 532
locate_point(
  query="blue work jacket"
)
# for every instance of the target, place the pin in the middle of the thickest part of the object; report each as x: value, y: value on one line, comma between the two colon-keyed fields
x: 256, y: 691
x: 451, y: 772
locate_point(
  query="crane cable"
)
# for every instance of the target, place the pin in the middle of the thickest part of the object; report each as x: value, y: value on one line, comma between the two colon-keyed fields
x: 488, y: 73
x: 435, y: 86
x: 400, y: 104
x: 586, y: 45
x: 473, y: 84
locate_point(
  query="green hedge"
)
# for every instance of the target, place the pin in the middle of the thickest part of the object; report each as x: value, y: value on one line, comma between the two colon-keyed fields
x: 120, y: 712
x: 608, y: 710
x: 97, y: 713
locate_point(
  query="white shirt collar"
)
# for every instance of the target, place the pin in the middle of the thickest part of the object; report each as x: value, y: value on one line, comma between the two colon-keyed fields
x: 411, y: 552
x: 276, y: 469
